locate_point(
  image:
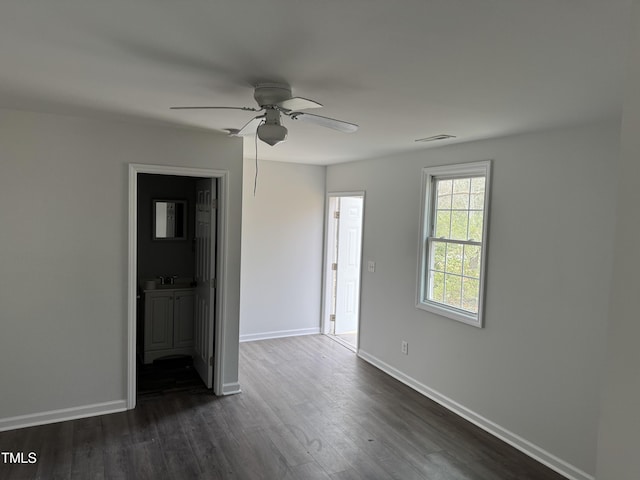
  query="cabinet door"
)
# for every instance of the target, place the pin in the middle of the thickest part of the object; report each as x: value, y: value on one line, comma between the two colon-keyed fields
x: 158, y: 324
x: 183, y: 315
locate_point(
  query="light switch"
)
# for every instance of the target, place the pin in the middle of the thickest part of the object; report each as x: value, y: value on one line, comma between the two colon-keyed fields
x: 371, y: 266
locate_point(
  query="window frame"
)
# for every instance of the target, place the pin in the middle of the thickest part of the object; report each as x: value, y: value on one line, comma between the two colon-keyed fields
x: 427, y: 221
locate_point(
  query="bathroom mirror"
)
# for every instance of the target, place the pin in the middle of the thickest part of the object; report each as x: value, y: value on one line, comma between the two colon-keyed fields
x: 169, y: 219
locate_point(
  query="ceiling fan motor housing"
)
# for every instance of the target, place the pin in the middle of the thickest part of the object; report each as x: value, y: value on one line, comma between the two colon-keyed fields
x: 271, y: 93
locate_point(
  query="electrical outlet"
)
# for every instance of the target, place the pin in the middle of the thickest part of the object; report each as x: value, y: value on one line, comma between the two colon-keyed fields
x: 405, y: 347
x: 371, y: 266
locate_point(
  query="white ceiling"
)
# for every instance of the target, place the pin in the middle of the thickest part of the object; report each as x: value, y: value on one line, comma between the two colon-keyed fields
x: 402, y: 70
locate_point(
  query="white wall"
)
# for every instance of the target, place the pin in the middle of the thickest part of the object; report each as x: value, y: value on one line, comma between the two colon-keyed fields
x: 534, y: 370
x: 63, y: 252
x: 282, y: 235
x: 618, y: 449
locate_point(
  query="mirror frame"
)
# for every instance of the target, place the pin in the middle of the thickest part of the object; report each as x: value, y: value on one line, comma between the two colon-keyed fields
x: 184, y: 204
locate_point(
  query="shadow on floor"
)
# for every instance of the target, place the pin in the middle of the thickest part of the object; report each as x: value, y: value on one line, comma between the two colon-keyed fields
x: 168, y: 374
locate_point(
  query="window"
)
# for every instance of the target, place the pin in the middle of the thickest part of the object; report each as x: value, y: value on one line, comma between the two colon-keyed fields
x: 453, y: 240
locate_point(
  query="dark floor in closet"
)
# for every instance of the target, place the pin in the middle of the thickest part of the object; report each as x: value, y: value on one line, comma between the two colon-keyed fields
x: 169, y: 374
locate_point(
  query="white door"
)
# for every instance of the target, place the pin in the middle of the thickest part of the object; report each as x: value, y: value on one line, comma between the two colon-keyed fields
x: 205, y: 282
x: 349, y: 237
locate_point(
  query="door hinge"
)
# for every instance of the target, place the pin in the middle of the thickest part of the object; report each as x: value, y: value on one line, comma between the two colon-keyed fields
x: 214, y: 203
x: 214, y: 283
x: 332, y: 317
x: 336, y: 214
x: 334, y: 266
x: 211, y: 361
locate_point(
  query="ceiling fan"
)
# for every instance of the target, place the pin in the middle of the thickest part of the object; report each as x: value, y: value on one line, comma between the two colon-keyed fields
x: 275, y: 100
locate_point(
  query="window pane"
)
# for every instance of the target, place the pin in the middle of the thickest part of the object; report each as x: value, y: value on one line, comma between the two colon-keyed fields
x: 475, y: 225
x: 443, y: 223
x: 438, y: 252
x: 436, y: 287
x: 471, y: 262
x: 470, y: 294
x: 454, y: 259
x: 453, y: 291
x: 443, y: 194
x: 461, y: 185
x: 459, y: 224
x: 476, y: 201
x: 444, y: 201
x: 460, y: 201
x: 477, y: 185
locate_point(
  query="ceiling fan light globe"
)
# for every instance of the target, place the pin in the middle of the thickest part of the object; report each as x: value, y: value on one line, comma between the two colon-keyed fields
x: 272, y: 134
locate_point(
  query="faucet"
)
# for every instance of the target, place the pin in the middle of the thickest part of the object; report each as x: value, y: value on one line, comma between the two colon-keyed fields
x: 167, y: 279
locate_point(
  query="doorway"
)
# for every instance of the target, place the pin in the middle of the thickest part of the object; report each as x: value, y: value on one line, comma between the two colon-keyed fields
x: 343, y: 267
x: 197, y: 296
x: 176, y: 255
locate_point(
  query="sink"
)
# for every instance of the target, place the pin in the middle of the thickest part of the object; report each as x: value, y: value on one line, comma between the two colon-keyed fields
x: 174, y: 286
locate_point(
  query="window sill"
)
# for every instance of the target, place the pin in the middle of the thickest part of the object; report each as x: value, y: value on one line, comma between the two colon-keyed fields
x: 451, y: 313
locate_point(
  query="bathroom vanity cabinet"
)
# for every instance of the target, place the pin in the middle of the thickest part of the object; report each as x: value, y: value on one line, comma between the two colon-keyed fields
x: 168, y: 322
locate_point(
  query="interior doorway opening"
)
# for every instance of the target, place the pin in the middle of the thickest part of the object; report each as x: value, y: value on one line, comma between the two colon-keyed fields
x: 176, y: 247
x: 199, y: 297
x: 343, y: 268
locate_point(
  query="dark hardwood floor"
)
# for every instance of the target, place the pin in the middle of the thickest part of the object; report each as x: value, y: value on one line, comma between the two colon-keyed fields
x: 310, y: 409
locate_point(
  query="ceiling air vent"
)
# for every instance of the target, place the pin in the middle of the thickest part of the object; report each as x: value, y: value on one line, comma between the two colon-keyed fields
x: 442, y: 136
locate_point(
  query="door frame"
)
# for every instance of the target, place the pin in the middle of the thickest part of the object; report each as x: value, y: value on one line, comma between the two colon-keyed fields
x: 329, y: 243
x: 221, y: 267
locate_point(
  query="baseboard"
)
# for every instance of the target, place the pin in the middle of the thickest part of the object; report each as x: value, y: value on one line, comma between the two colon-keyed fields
x: 526, y: 447
x: 231, y: 388
x: 53, y: 416
x: 250, y: 337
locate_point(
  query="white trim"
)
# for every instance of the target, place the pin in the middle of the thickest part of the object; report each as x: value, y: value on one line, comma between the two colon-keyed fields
x: 351, y: 193
x: 221, y: 266
x: 132, y: 287
x: 230, y: 389
x: 516, y: 441
x: 222, y: 261
x: 342, y: 342
x: 62, y: 415
x: 252, y: 337
x: 329, y: 239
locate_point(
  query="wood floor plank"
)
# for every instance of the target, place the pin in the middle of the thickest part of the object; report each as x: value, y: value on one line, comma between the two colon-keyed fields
x: 88, y: 463
x: 266, y: 458
x: 308, y: 471
x: 329, y: 458
x: 294, y: 452
x: 443, y: 466
x: 179, y: 457
x: 349, y: 474
x: 205, y: 444
x: 241, y: 458
x: 57, y: 441
x: 400, y: 469
x: 25, y: 440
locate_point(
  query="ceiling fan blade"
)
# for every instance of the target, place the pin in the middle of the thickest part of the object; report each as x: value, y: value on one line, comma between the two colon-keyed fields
x: 251, y: 126
x: 339, y: 125
x: 248, y: 109
x: 298, y: 103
